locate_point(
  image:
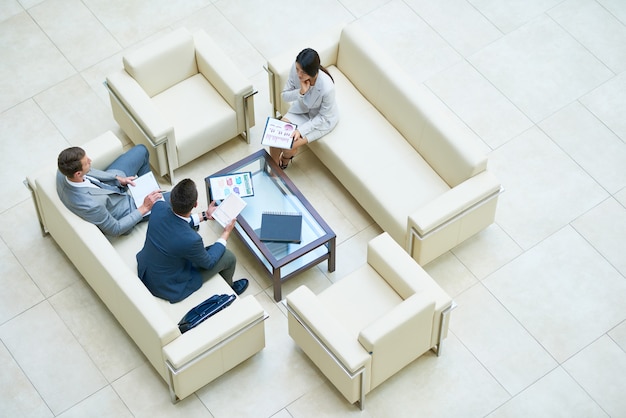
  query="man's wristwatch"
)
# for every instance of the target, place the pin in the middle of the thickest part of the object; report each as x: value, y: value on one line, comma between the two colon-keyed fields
x: 204, y: 216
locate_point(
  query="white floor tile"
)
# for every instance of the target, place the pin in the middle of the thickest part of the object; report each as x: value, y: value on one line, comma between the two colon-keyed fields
x: 618, y: 334
x: 540, y: 68
x: 458, y: 22
x: 26, y: 52
x: 451, y: 274
x: 595, y: 28
x: 130, y: 22
x: 590, y: 143
x: 605, y: 228
x: 555, y: 395
x: 425, y: 386
x: 63, y: 374
x: 29, y: 141
x: 498, y: 341
x: 399, y: 30
x: 487, y: 251
x: 79, y: 34
x: 41, y: 257
x: 544, y: 188
x: 10, y: 8
x: 601, y: 371
x: 19, y: 292
x: 76, y: 111
x: 104, y: 404
x: 267, y: 382
x: 146, y: 394
x: 479, y: 104
x: 508, y: 16
x: 18, y: 397
x: 563, y: 292
x: 97, y: 331
x: 255, y: 20
x: 609, y: 105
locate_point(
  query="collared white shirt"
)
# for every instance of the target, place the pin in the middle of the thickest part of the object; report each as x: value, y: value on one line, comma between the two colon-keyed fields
x: 196, y: 221
x: 85, y: 183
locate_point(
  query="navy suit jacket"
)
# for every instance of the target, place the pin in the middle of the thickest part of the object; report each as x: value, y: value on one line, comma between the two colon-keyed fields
x: 172, y: 255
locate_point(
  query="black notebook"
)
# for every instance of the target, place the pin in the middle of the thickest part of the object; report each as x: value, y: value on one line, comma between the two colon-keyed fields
x: 281, y: 227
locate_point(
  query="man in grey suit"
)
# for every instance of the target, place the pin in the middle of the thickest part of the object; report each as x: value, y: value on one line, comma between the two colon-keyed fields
x: 102, y: 197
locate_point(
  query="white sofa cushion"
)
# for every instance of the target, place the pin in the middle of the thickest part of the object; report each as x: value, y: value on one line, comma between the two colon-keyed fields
x: 375, y: 162
x: 359, y: 299
x: 200, y: 116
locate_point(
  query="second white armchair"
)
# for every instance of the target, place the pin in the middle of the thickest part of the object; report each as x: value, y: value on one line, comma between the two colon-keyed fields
x: 181, y: 96
x: 372, y: 323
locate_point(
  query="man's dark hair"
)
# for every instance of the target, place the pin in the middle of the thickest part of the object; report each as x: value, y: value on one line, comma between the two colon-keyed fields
x: 69, y: 161
x: 184, y: 196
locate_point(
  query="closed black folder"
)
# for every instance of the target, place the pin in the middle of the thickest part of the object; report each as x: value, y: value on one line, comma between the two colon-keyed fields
x: 281, y: 227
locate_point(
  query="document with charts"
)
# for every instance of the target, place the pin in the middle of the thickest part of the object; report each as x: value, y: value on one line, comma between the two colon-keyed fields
x: 278, y: 133
x: 225, y: 184
x: 228, y: 209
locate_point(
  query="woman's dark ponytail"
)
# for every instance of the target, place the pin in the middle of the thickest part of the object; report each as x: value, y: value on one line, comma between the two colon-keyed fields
x: 309, y: 61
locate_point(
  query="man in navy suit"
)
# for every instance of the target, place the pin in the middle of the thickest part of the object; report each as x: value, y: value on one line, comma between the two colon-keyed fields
x: 102, y: 197
x: 174, y: 261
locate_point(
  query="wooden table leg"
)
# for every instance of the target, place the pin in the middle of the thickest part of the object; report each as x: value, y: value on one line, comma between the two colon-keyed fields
x: 331, y: 255
x: 277, y: 284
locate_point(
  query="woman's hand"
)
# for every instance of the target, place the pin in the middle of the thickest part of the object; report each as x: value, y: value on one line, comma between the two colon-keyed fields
x: 305, y: 85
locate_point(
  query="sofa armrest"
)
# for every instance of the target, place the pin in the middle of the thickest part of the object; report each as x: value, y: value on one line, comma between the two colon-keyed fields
x: 409, y: 323
x: 452, y: 204
x: 395, y: 265
x: 138, y: 105
x: 407, y: 277
x: 211, y: 333
x: 225, y: 77
x: 307, y: 309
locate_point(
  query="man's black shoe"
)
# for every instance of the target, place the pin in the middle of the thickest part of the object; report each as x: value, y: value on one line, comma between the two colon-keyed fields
x: 240, y: 286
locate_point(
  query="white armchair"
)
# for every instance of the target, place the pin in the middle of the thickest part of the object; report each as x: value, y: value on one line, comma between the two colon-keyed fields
x: 372, y: 323
x: 181, y: 96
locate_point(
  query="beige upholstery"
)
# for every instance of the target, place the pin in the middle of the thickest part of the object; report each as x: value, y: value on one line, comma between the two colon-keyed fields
x: 373, y: 322
x: 181, y: 96
x: 187, y: 361
x: 406, y: 158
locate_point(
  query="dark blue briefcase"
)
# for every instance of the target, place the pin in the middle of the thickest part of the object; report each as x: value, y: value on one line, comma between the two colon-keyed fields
x: 199, y: 313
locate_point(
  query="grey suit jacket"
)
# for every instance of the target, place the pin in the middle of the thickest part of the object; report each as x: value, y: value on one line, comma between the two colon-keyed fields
x: 318, y: 105
x: 113, y: 211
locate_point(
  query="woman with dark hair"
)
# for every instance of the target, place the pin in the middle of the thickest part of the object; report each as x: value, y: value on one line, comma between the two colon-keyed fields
x: 311, y: 93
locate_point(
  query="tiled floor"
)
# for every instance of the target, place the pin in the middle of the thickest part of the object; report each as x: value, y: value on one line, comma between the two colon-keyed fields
x: 541, y: 325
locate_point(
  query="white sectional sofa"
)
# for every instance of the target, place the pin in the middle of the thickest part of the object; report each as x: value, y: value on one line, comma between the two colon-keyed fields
x: 408, y: 160
x: 186, y: 361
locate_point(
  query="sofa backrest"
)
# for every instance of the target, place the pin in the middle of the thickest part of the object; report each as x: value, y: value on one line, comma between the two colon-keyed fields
x: 163, y: 62
x: 440, y: 137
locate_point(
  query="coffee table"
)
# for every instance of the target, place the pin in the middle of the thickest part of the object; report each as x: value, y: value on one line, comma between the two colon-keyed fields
x: 275, y: 192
